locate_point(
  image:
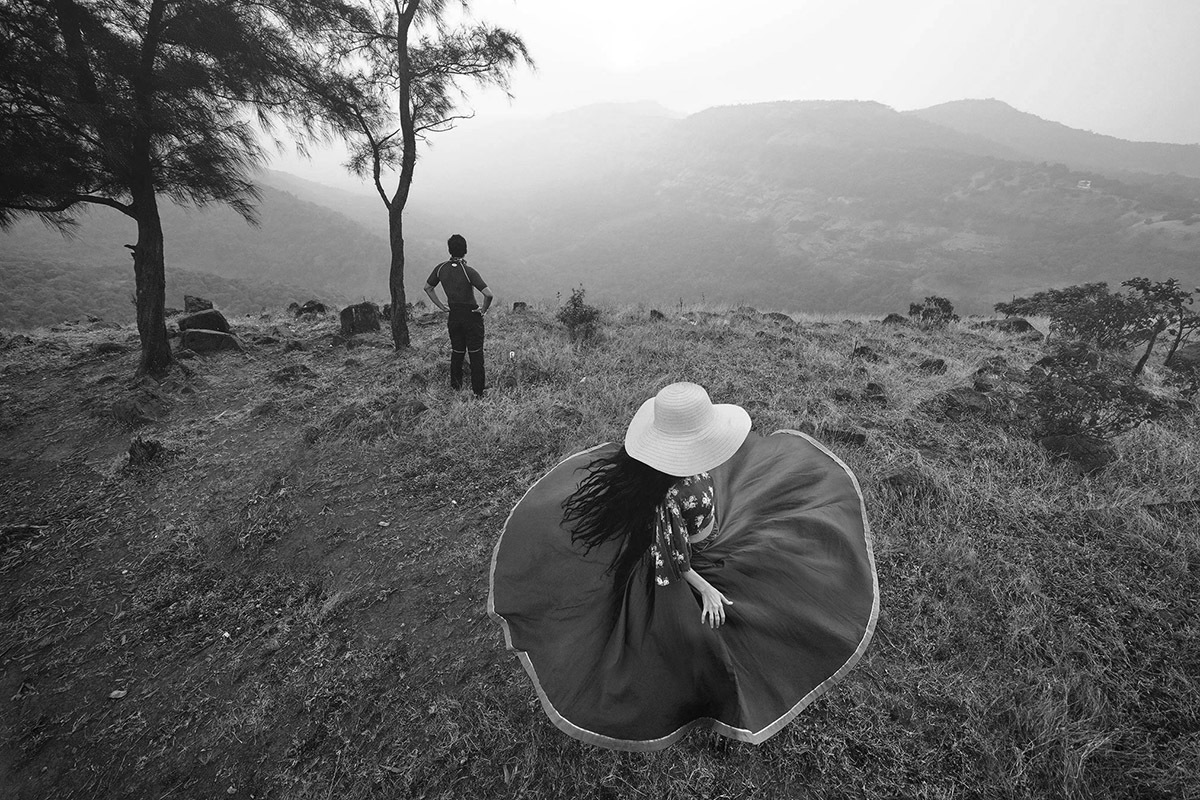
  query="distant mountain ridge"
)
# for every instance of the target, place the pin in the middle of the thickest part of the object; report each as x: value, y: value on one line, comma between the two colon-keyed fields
x: 1043, y: 140
x: 821, y: 206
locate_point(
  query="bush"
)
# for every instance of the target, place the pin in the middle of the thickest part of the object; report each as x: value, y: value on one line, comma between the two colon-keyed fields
x: 1073, y: 391
x: 1089, y: 313
x: 580, y: 319
x: 935, y: 311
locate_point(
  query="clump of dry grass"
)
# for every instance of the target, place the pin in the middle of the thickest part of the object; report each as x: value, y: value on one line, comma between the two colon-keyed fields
x: 1038, y: 637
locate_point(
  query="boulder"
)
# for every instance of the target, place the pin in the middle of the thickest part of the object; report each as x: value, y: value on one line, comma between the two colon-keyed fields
x: 293, y: 307
x: 311, y: 307
x: 778, y: 316
x: 656, y: 315
x: 210, y: 320
x: 895, y: 319
x: 360, y: 318
x: 1086, y: 454
x: 520, y: 307
x: 1018, y: 326
x: 206, y: 341
x: 955, y: 404
x: 193, y: 304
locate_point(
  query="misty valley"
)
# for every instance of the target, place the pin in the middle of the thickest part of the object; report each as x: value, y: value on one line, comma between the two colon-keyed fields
x: 807, y: 206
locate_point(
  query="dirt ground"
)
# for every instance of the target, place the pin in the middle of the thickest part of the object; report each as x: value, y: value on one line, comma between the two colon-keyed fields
x: 146, y: 608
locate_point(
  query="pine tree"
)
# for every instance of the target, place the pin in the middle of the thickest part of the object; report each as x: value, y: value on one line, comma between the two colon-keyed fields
x: 117, y: 102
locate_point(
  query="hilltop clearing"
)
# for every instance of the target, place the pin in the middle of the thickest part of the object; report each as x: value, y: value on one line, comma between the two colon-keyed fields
x: 281, y: 594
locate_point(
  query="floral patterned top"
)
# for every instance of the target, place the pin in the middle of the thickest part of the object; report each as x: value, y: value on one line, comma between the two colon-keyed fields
x: 687, y: 510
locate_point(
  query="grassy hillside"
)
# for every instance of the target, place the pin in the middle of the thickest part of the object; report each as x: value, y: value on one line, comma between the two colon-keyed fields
x: 289, y: 602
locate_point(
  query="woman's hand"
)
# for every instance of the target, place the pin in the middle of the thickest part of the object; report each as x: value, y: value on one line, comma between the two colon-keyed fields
x: 713, y: 612
x: 712, y: 601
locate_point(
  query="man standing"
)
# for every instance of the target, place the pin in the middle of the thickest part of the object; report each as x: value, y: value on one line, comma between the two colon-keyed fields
x: 459, y: 282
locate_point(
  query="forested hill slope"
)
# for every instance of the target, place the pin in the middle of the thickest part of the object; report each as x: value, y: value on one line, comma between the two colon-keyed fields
x: 814, y: 206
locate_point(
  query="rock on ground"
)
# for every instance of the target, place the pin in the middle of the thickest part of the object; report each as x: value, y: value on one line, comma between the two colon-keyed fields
x: 360, y: 318
x: 206, y: 341
x: 193, y: 304
x: 208, y: 320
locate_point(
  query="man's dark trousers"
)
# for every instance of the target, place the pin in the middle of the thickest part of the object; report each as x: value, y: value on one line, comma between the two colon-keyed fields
x: 466, y: 337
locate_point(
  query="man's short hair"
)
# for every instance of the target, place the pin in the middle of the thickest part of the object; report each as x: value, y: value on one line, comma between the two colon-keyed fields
x: 457, y: 246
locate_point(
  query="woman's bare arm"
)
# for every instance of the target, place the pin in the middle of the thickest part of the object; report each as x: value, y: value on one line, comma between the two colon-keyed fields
x: 713, y: 602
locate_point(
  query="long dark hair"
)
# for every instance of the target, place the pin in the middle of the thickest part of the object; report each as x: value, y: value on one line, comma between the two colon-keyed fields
x: 616, y: 502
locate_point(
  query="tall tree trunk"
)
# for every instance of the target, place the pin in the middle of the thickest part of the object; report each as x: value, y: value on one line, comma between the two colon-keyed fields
x: 408, y: 161
x: 149, y: 272
x: 1175, y: 342
x: 400, y: 338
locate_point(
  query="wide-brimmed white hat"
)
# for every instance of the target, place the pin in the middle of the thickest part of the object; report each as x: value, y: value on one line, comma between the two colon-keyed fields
x: 680, y: 431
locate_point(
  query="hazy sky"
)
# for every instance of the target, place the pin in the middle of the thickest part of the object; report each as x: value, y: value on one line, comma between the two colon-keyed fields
x: 1127, y: 68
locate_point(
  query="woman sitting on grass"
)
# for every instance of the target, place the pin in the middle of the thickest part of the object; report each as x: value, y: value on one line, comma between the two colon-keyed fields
x: 697, y: 574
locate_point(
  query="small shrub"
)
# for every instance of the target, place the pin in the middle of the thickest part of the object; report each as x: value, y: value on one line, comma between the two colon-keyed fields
x: 1073, y: 391
x: 580, y: 319
x: 935, y: 311
x: 1089, y: 313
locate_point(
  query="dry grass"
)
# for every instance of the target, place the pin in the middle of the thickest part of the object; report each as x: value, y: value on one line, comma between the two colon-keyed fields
x: 293, y: 600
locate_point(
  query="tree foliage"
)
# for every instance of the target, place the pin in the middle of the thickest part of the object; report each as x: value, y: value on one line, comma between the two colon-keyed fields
x: 1093, y: 314
x: 1159, y: 303
x: 115, y: 103
x: 1088, y: 313
x: 1074, y: 390
x: 403, y: 70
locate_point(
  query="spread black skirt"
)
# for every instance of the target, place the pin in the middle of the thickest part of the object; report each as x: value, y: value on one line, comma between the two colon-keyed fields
x: 635, y: 669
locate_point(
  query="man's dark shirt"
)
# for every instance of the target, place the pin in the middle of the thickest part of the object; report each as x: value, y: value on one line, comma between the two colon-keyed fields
x: 459, y: 282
